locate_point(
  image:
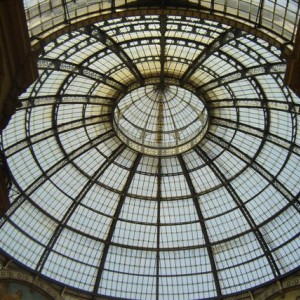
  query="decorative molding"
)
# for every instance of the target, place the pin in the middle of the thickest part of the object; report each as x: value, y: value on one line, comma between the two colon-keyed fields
x: 292, y: 282
x: 23, y: 277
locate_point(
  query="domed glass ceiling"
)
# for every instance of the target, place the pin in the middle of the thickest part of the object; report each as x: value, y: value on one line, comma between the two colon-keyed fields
x: 160, y: 119
x: 96, y: 213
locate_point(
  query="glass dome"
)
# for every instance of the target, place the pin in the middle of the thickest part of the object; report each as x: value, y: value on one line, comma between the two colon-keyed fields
x: 160, y: 119
x: 95, y: 213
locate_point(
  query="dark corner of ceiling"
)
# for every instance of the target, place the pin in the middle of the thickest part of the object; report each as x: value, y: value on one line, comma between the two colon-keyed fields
x: 18, y: 69
x: 18, y: 65
x: 5, y: 183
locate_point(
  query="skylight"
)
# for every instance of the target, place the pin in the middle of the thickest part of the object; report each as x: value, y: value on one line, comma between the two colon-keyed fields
x: 93, y: 212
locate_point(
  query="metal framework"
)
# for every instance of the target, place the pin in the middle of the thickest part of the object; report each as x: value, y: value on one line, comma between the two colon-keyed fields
x: 275, y: 20
x: 95, y: 214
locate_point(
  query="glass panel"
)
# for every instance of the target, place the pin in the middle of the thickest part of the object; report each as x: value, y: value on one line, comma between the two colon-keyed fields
x: 73, y: 273
x: 12, y: 239
x: 179, y: 236
x: 136, y: 235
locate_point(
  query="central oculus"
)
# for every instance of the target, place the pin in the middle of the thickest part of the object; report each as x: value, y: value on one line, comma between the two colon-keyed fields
x: 160, y: 120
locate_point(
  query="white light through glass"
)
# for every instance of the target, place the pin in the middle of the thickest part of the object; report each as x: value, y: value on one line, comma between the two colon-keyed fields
x: 161, y: 119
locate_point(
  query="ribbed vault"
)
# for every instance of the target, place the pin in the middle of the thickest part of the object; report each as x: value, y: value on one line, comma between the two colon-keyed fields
x: 94, y: 213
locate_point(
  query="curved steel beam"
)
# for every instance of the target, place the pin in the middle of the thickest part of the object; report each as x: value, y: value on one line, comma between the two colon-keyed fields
x: 255, y: 165
x: 239, y: 203
x: 61, y: 128
x: 113, y: 224
x: 100, y: 35
x: 38, y: 101
x: 163, y: 29
x: 203, y: 226
x: 158, y: 220
x: 268, y: 68
x: 215, y: 45
x: 56, y: 167
x: 58, y: 65
x: 82, y: 193
x: 256, y: 132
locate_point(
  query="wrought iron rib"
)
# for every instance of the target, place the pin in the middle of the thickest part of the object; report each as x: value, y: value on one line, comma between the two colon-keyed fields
x: 246, y: 214
x: 114, y: 223
x: 203, y: 226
